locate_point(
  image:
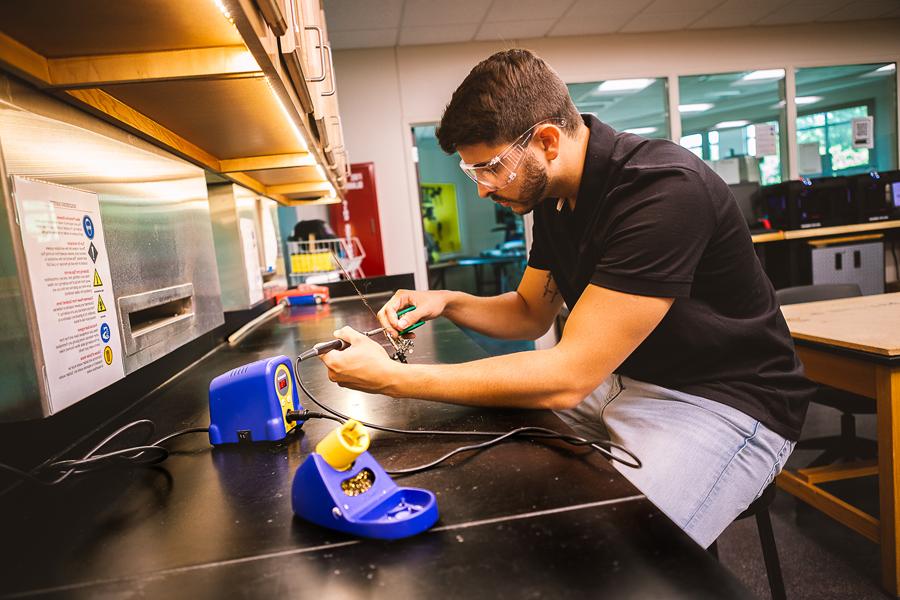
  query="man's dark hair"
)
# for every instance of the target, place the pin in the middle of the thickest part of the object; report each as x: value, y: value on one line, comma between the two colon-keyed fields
x: 501, y: 98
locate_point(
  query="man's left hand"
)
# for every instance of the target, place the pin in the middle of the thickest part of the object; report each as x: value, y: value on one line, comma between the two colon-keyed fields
x: 364, y: 366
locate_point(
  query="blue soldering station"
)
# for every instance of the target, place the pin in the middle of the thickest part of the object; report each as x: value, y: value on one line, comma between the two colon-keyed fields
x: 251, y: 403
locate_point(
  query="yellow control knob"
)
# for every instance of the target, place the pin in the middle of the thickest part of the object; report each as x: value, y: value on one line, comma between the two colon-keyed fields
x: 341, y: 447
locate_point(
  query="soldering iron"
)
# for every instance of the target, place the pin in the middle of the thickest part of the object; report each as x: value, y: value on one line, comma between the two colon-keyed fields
x: 401, y: 347
x: 323, y: 347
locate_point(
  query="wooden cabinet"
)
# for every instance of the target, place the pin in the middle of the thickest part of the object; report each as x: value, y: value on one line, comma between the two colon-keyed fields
x: 307, y: 55
x: 242, y: 88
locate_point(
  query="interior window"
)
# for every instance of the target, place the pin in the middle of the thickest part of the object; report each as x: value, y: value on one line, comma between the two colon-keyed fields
x: 637, y: 106
x: 733, y: 121
x: 846, y: 119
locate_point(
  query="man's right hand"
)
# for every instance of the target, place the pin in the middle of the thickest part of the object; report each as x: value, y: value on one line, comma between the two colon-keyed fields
x: 429, y: 305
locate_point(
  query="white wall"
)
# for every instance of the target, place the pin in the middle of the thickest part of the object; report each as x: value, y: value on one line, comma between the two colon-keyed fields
x: 373, y: 123
x: 385, y: 91
x: 307, y: 213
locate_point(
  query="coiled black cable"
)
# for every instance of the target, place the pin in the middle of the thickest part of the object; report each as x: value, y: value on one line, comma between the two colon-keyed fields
x: 603, y: 447
x: 151, y: 453
x: 146, y: 454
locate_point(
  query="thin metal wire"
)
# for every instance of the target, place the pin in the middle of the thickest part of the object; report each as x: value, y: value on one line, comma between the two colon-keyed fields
x: 390, y: 339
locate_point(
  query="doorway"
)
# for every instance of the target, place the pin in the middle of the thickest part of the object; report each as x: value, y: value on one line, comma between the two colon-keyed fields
x: 472, y: 244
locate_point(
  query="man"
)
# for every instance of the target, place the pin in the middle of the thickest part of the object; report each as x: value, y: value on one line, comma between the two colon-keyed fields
x: 675, y: 346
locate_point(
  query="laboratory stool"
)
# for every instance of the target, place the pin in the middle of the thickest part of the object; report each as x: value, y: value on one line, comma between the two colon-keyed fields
x: 759, y: 508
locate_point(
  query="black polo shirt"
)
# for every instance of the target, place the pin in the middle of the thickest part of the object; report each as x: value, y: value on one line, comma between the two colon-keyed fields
x: 652, y: 219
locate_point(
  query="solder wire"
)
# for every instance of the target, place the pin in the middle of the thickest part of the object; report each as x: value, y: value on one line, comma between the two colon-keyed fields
x: 390, y: 340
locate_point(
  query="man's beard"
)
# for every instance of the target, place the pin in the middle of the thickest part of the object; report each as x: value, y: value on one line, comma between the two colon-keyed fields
x: 533, y: 189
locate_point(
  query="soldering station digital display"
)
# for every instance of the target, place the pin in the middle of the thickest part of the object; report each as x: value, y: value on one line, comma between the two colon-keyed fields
x: 340, y: 485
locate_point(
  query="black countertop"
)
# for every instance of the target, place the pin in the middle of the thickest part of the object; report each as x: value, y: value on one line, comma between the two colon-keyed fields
x: 523, y: 519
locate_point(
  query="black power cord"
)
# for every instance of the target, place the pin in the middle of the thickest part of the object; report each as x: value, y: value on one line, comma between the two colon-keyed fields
x: 150, y: 453
x: 301, y: 416
x: 603, y: 446
x: 147, y: 454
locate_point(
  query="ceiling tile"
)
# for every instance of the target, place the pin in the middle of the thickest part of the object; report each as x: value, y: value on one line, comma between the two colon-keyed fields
x: 755, y: 6
x: 437, y: 34
x: 801, y: 12
x: 575, y: 25
x: 867, y: 9
x: 737, y: 13
x: 434, y: 13
x: 724, y: 19
x: 526, y: 10
x: 512, y: 30
x: 373, y: 38
x: 604, y: 8
x: 676, y: 6
x: 343, y: 15
x: 661, y: 22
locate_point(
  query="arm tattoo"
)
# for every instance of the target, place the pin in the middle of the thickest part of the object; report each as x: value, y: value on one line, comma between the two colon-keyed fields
x: 550, y: 288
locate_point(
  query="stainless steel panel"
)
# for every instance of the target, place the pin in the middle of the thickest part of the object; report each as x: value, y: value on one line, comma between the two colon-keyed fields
x: 176, y: 315
x: 269, y: 239
x: 228, y: 204
x: 154, y: 209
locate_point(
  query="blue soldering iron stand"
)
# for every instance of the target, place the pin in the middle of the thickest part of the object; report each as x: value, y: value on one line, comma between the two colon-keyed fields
x: 342, y: 487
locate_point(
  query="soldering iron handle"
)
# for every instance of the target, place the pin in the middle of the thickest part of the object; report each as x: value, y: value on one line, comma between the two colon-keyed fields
x: 322, y: 348
x: 332, y: 345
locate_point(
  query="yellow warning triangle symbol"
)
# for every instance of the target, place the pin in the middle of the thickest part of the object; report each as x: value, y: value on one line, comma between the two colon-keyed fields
x: 100, y: 306
x: 97, y: 281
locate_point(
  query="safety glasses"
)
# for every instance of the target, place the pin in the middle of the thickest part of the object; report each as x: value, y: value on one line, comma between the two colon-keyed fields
x: 501, y: 170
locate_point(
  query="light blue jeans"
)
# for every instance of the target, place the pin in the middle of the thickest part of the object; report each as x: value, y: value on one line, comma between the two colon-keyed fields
x: 703, y: 462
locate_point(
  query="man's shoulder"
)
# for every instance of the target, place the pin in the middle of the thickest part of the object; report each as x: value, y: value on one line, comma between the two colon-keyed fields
x: 659, y: 155
x: 664, y: 169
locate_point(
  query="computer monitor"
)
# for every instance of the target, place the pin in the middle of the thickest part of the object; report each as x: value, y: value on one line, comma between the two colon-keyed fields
x: 824, y: 202
x: 745, y: 195
x: 808, y: 203
x: 877, y: 196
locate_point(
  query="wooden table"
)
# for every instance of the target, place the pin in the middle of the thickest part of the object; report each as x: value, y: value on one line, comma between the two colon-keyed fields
x: 854, y: 344
x: 796, y: 234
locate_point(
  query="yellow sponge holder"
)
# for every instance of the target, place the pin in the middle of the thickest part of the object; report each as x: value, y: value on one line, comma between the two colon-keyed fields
x: 341, y: 447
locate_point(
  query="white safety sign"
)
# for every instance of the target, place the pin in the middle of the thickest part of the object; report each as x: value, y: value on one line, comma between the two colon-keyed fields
x: 766, y: 139
x: 863, y: 130
x: 68, y: 268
